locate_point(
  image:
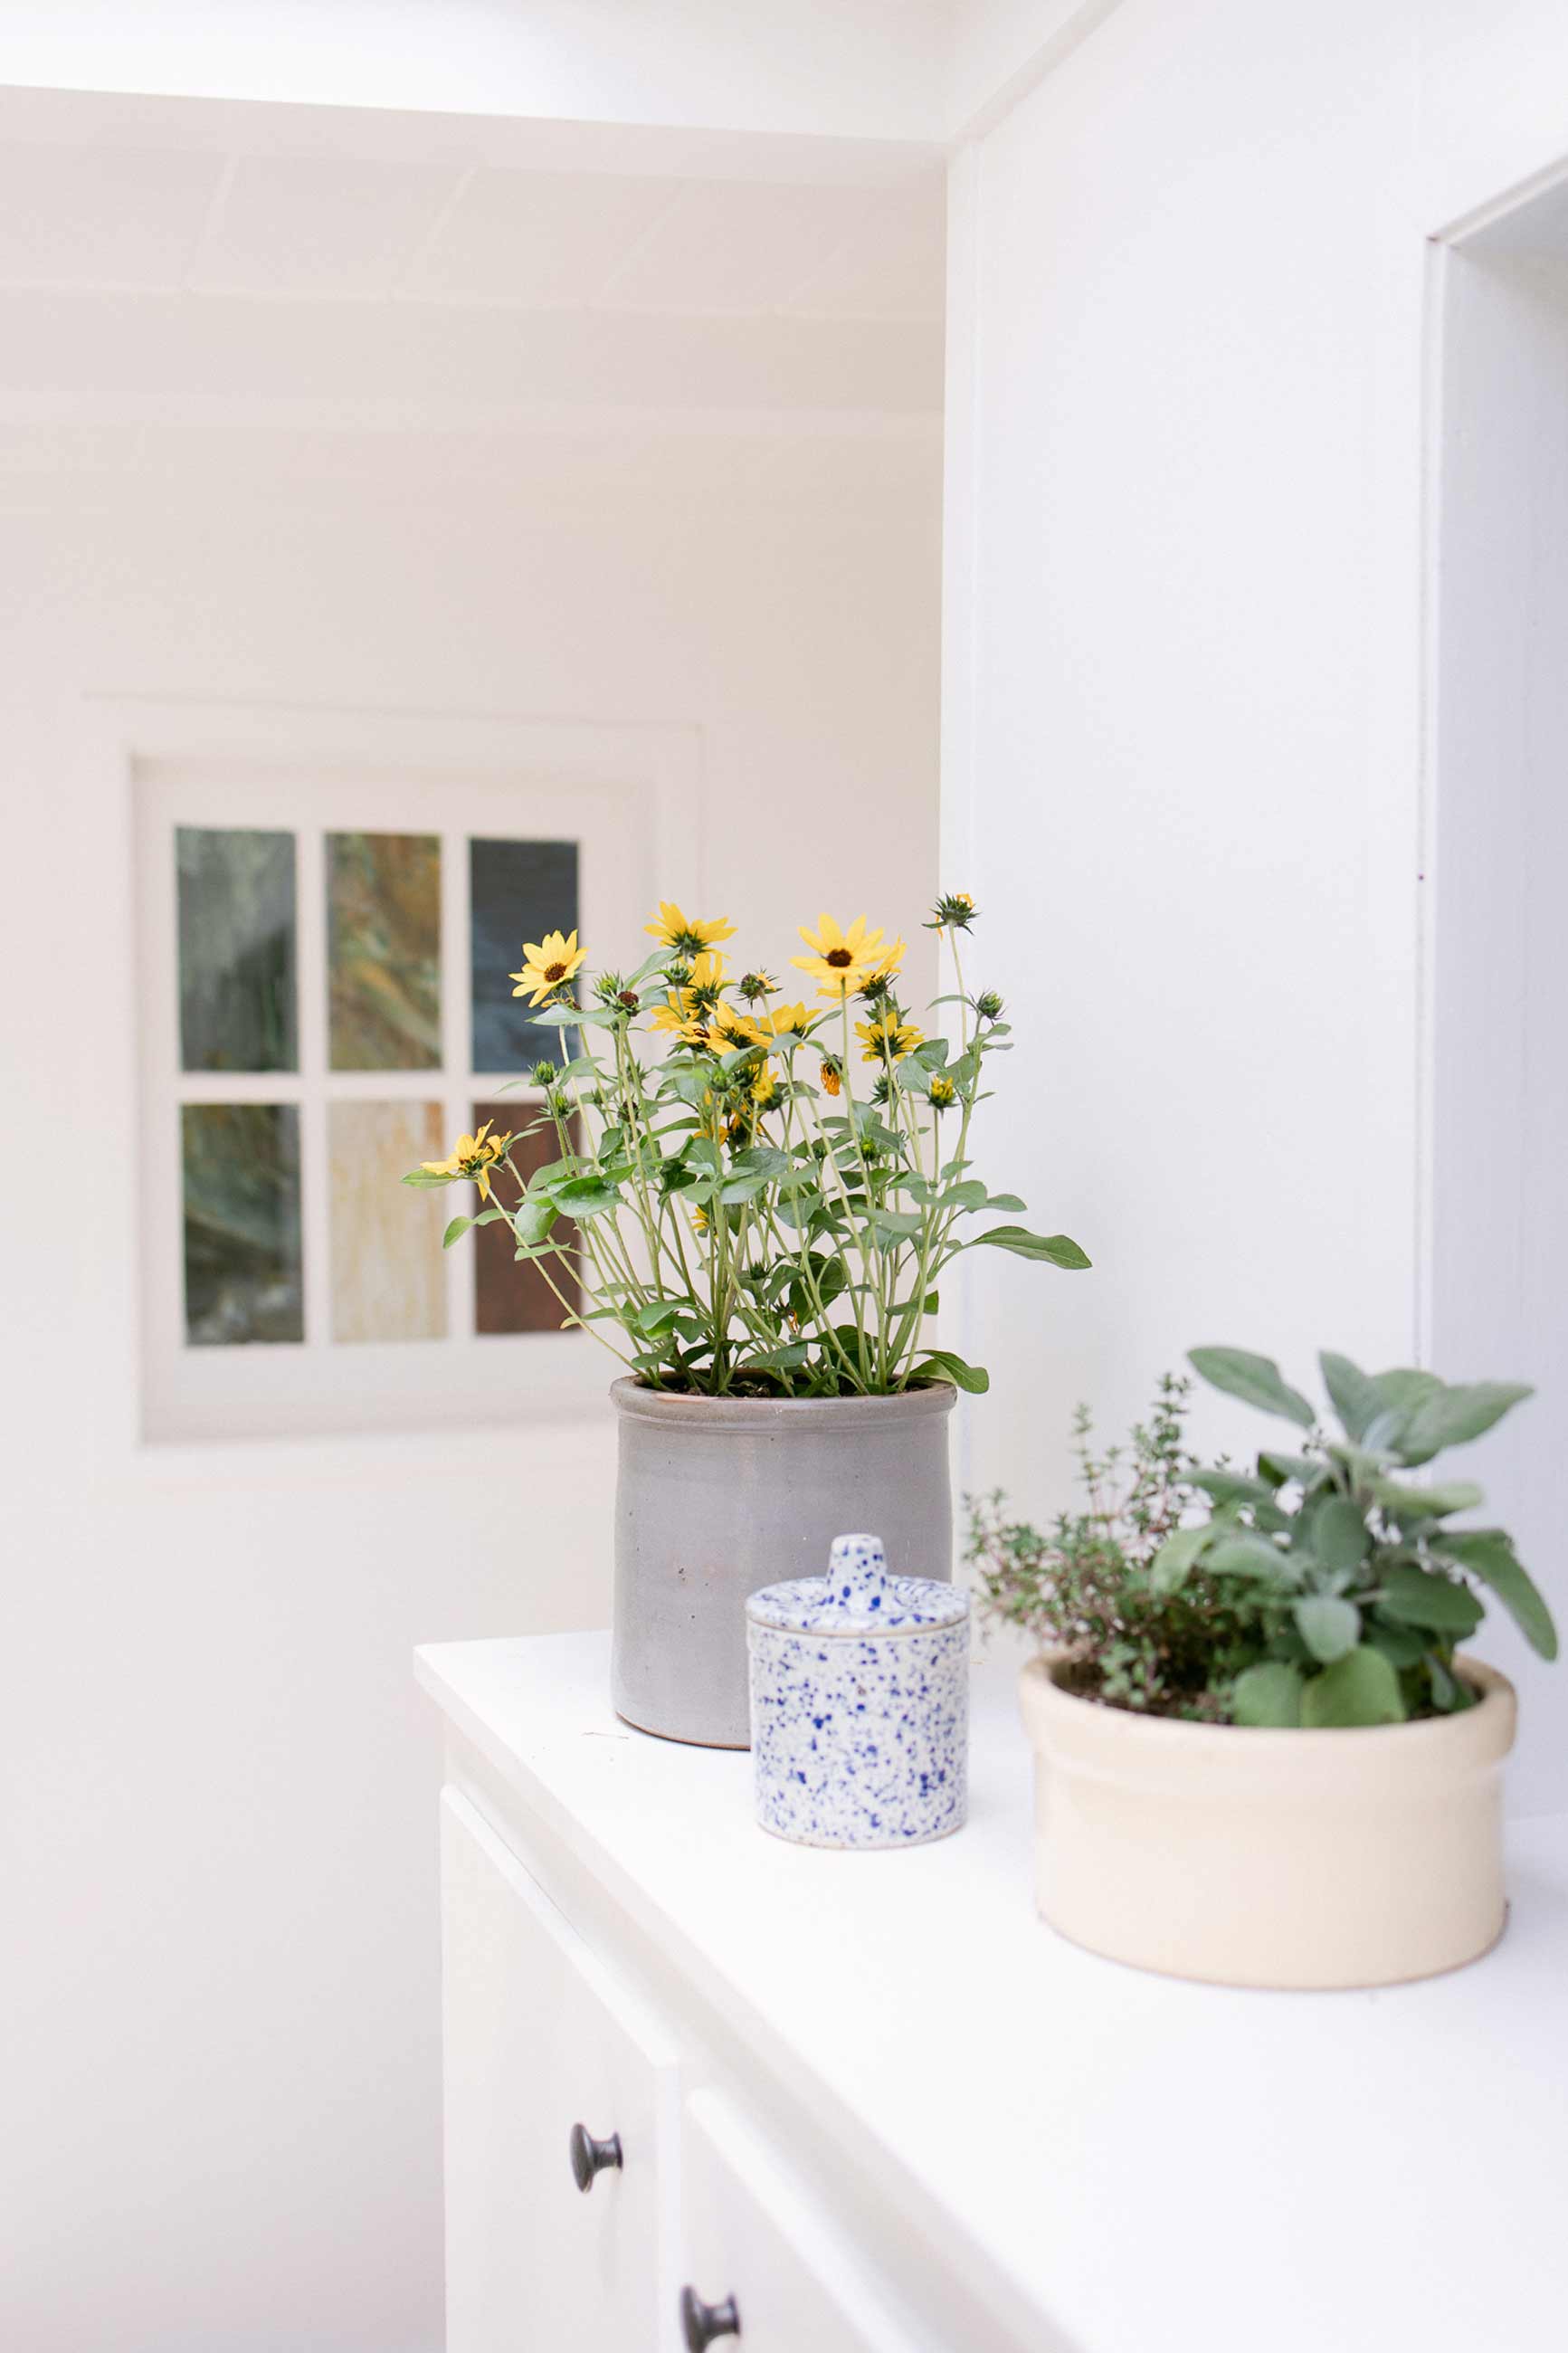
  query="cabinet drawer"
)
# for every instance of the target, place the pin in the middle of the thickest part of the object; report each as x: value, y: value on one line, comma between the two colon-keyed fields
x: 541, y: 2037
x: 754, y: 2232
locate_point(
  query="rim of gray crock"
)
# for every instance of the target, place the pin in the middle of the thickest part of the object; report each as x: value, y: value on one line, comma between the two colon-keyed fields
x: 669, y: 1407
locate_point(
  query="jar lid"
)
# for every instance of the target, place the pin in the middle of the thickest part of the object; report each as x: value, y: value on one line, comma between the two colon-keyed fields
x: 857, y: 1597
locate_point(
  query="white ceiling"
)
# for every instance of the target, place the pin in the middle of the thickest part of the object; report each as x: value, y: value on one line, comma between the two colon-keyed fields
x: 183, y: 277
x: 165, y: 197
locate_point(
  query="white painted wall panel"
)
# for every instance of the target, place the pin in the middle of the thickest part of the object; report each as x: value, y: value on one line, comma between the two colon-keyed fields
x: 1185, y: 689
x: 221, y: 2065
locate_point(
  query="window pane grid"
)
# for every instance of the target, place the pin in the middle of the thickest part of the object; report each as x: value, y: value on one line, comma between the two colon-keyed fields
x: 360, y: 1272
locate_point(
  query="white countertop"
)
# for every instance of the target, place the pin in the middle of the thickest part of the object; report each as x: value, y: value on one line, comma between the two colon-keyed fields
x: 1158, y: 2168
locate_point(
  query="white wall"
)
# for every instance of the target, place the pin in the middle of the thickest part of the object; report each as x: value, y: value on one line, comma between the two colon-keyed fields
x: 1499, y: 1105
x: 1183, y: 688
x: 220, y: 1982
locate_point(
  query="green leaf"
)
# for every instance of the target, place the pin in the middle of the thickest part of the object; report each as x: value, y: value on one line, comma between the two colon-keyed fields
x: 1257, y: 1380
x: 1178, y: 1555
x: 1240, y: 1553
x: 454, y: 1232
x: 1454, y: 1416
x: 1420, y: 1597
x: 426, y: 1182
x: 1405, y: 1387
x: 1269, y: 1696
x: 1335, y: 1533
x: 1361, y: 1688
x: 743, y: 1188
x: 586, y: 1197
x: 1232, y: 1487
x: 1427, y: 1503
x: 1400, y: 1645
x: 1355, y: 1397
x: 532, y: 1222
x: 1055, y: 1248
x: 968, y: 1195
x: 658, y: 1315
x: 1006, y: 1202
x: 1447, y: 1692
x: 1488, y: 1554
x: 896, y: 1225
x: 561, y: 1016
x: 1281, y: 1469
x: 1330, y: 1628
x: 973, y: 1377
x: 786, y: 1359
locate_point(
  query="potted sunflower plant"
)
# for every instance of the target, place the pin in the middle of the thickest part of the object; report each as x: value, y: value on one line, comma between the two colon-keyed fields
x: 753, y: 1199
x: 1263, y: 1757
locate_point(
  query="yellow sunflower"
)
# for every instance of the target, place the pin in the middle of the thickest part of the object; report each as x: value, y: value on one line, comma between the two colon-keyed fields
x: 886, y: 965
x: 547, y: 965
x: 471, y: 1156
x: 686, y: 934
x: 787, y: 1021
x: 735, y: 1029
x: 832, y: 1076
x: 888, y: 1039
x: 841, y: 960
x: 764, y: 1088
x: 697, y: 1007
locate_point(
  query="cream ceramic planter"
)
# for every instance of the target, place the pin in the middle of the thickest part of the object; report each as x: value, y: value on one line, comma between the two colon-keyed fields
x: 1253, y: 1858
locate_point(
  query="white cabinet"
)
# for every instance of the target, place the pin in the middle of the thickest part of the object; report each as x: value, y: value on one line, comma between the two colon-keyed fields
x: 906, y: 2119
x: 539, y: 2038
x: 756, y: 2237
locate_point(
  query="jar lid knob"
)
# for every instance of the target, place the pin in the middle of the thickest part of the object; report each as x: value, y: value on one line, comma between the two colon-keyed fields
x: 858, y: 1572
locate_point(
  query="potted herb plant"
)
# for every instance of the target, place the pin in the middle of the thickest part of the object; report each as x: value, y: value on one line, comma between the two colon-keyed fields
x: 1261, y: 1756
x: 751, y: 1206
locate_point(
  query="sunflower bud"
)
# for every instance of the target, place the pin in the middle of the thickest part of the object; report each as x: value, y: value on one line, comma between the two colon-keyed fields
x: 753, y: 986
x: 943, y: 1094
x: 545, y: 1073
x: 988, y: 1005
x: 954, y: 911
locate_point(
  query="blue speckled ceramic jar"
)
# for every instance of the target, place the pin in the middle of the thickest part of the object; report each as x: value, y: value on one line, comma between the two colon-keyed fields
x: 859, y: 1703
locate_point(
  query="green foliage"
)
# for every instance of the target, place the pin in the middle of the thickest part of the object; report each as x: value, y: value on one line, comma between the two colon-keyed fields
x: 1087, y: 1584
x: 1322, y: 1590
x: 1361, y: 1584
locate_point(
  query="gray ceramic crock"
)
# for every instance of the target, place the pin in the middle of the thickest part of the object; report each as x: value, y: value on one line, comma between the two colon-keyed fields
x: 719, y: 1496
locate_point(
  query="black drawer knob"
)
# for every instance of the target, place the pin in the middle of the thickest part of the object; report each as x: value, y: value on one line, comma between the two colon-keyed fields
x: 591, y: 2157
x: 704, y: 2322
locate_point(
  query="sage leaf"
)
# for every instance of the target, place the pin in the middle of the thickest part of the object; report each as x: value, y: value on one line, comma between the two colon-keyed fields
x: 1362, y: 1688
x: 1257, y: 1380
x: 1488, y: 1554
x: 1177, y: 1556
x: 1420, y: 1597
x: 1269, y: 1696
x: 1335, y: 1532
x: 1354, y: 1395
x: 1330, y: 1628
x: 1456, y: 1416
x: 1427, y: 1503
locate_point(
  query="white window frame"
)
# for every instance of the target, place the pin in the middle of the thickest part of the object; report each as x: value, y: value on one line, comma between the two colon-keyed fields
x: 311, y: 775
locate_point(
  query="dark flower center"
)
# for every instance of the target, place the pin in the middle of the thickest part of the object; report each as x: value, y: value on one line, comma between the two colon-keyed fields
x: 553, y: 972
x: 840, y: 956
